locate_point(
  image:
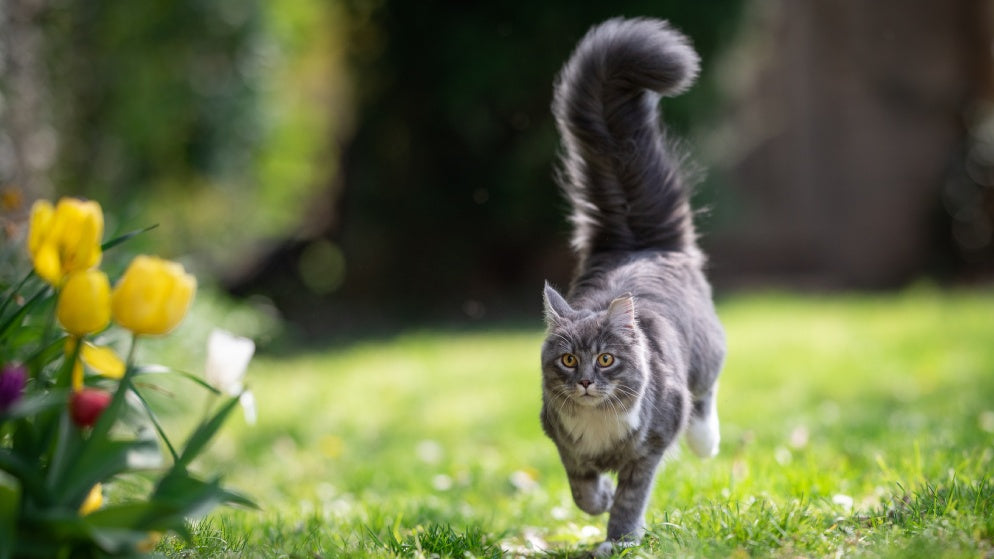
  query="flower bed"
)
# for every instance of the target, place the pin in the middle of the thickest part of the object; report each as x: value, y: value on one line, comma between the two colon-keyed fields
x: 73, y: 416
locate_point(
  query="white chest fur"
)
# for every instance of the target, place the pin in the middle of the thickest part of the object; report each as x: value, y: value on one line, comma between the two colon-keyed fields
x: 595, y: 430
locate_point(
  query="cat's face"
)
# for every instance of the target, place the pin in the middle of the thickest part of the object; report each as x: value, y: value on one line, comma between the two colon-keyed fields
x: 590, y: 358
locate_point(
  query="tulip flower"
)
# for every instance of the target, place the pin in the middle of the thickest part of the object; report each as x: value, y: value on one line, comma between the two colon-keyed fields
x: 102, y: 360
x: 84, y: 303
x: 94, y: 500
x: 65, y: 238
x: 86, y: 405
x: 228, y: 357
x: 12, y: 379
x: 152, y: 296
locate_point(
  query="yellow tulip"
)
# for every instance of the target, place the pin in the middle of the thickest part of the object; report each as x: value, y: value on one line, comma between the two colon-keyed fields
x: 84, y: 303
x: 101, y: 359
x: 94, y: 500
x: 65, y: 238
x: 152, y: 296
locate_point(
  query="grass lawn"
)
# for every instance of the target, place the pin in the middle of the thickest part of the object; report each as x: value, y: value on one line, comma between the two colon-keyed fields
x: 852, y: 426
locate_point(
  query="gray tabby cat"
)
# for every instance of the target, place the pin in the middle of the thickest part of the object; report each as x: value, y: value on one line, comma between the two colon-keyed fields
x: 633, y: 353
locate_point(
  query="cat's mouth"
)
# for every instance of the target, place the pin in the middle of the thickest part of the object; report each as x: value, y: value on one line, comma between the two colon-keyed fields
x: 588, y: 397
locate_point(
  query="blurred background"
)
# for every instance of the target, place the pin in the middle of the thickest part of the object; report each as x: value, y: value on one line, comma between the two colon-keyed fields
x: 355, y: 165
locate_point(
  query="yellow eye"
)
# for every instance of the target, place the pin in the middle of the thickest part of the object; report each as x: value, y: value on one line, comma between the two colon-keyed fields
x: 605, y: 360
x: 569, y: 360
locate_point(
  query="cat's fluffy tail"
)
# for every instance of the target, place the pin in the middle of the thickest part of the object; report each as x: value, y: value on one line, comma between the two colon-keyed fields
x: 620, y: 175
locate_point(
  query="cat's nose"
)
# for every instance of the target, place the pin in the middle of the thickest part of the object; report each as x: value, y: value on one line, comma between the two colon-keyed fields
x: 585, y: 383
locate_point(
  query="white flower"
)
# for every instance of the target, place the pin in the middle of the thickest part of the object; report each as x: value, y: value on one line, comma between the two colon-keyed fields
x: 228, y: 357
x: 247, y: 400
x: 844, y: 501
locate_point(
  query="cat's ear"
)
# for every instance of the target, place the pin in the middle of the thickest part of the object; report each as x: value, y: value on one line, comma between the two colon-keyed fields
x: 555, y: 306
x: 621, y: 314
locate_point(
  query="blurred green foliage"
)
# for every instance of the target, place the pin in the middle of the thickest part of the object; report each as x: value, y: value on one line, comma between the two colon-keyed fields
x: 206, y: 117
x: 317, y: 151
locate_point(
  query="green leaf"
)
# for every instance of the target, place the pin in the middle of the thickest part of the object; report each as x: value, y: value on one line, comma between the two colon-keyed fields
x: 104, y: 459
x: 203, y: 434
x: 118, y: 240
x: 132, y: 522
x: 47, y: 354
x: 10, y: 500
x: 27, y: 473
x: 13, y: 292
x: 155, y: 422
x: 164, y: 370
x: 185, y: 496
x: 35, y: 404
x: 49, y: 532
x: 15, y: 319
x: 68, y: 440
x: 115, y: 540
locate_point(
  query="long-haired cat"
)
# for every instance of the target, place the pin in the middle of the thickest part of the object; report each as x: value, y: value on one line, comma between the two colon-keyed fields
x: 634, y: 350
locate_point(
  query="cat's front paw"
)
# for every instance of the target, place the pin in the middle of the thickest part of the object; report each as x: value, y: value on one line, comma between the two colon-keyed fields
x: 595, y: 497
x: 609, y: 548
x: 604, y: 549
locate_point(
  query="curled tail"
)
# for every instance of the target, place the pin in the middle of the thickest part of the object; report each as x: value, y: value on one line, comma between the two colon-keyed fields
x: 621, y: 177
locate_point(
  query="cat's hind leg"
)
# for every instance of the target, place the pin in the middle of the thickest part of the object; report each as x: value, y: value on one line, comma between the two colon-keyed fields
x: 703, y: 435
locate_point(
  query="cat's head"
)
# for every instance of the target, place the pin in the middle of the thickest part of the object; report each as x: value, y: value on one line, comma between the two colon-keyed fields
x: 592, y: 358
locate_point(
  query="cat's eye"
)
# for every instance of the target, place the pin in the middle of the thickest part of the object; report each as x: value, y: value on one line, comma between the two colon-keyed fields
x: 569, y: 360
x: 605, y: 360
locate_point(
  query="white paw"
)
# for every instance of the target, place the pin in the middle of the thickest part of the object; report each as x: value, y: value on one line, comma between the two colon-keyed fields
x: 607, y: 548
x: 703, y: 435
x: 604, y: 549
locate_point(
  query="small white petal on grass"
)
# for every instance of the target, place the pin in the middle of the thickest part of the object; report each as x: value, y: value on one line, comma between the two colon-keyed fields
x: 590, y: 532
x: 799, y: 437
x: 523, y: 481
x: 228, y: 357
x: 526, y: 545
x: 844, y: 501
x: 559, y: 513
x: 782, y: 456
x: 441, y: 482
x: 247, y: 400
x: 534, y: 540
x: 429, y: 451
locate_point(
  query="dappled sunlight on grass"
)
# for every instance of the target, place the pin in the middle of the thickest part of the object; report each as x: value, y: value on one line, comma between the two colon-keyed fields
x: 833, y: 410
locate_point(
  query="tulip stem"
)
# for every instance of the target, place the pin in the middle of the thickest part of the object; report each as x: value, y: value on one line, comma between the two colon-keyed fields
x: 131, y: 351
x: 64, y: 379
x: 155, y: 423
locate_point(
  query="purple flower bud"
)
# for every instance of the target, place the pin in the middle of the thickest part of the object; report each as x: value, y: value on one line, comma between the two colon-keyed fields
x: 12, y: 379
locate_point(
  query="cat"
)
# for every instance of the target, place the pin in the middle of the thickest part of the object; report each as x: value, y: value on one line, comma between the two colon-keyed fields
x: 632, y: 355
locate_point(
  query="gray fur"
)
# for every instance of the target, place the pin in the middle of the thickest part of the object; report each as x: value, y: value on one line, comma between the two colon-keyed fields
x: 639, y: 293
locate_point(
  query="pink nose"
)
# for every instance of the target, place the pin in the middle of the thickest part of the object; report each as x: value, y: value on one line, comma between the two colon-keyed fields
x: 585, y: 383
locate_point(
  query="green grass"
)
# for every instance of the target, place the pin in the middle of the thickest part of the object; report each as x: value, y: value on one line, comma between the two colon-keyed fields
x: 854, y: 426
